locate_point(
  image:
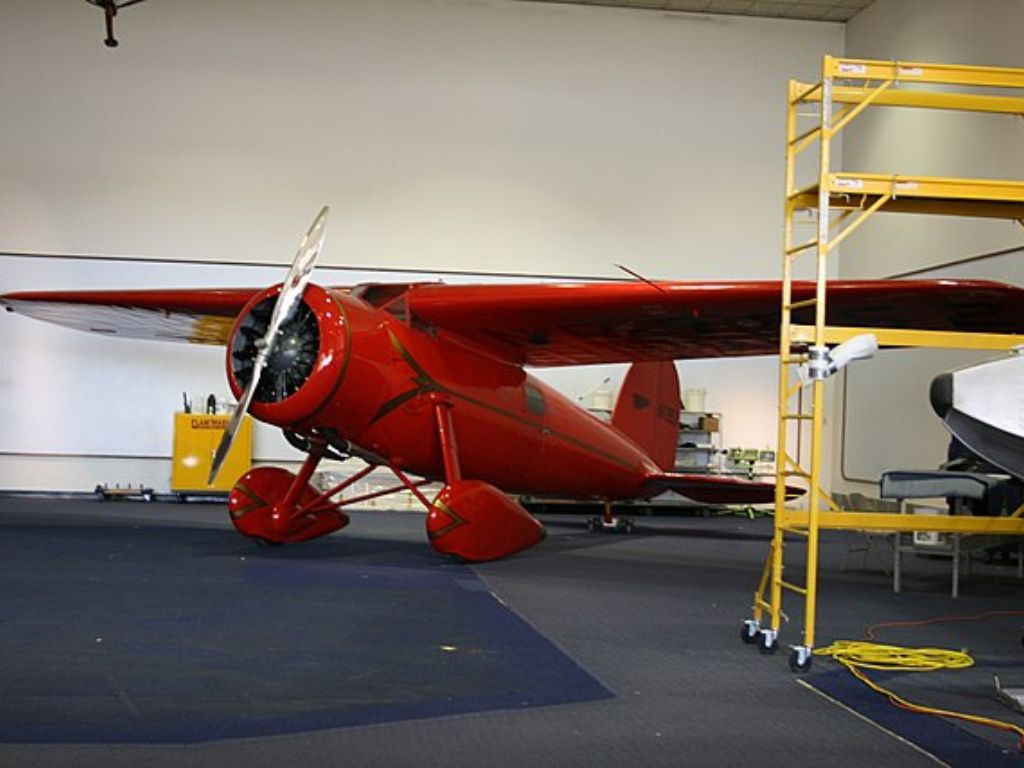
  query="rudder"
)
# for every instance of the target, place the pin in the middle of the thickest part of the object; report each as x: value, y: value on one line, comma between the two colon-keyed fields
x: 647, y: 410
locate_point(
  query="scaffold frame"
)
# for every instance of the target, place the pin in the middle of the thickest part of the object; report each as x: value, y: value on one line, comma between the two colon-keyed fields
x: 846, y: 89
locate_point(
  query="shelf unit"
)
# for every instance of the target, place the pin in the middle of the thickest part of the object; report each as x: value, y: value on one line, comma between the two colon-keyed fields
x: 699, y: 442
x: 848, y: 87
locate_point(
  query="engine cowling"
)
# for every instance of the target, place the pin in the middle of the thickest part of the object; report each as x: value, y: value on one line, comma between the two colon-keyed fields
x: 308, y: 362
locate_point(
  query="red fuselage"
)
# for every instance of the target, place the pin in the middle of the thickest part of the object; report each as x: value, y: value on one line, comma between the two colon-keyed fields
x: 378, y: 376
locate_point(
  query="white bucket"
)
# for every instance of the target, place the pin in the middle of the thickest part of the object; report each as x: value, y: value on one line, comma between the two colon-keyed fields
x: 601, y: 398
x: 695, y: 399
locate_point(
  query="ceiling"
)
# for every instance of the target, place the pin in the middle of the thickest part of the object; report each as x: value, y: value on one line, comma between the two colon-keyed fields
x: 812, y: 10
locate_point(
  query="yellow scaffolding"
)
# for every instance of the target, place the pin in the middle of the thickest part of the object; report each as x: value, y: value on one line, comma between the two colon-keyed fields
x: 846, y: 89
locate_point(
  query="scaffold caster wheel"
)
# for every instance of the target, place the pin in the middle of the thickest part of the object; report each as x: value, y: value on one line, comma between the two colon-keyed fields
x: 749, y: 631
x: 767, y: 642
x: 800, y: 659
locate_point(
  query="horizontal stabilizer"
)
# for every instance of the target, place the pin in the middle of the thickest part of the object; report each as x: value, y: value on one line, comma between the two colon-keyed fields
x: 716, y: 489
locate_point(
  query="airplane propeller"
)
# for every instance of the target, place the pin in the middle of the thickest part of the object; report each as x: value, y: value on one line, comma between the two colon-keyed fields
x: 292, y: 290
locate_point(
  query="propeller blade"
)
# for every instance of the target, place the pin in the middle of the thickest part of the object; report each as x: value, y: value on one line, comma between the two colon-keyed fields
x: 224, y: 447
x: 299, y: 274
x: 291, y: 293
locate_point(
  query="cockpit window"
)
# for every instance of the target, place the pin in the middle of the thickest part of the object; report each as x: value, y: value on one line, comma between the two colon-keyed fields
x: 399, y: 308
x: 391, y: 297
x: 379, y: 294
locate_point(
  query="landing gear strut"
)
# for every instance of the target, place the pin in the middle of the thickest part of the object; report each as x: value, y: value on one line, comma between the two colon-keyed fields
x: 609, y: 523
x: 471, y: 519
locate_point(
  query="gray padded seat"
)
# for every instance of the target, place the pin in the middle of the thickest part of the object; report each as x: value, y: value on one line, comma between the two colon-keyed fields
x: 920, y: 484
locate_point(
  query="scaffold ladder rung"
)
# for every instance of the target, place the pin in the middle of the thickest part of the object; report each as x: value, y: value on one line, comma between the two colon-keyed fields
x: 793, y: 587
x: 800, y: 304
x: 795, y: 249
x: 802, y: 94
x: 810, y: 133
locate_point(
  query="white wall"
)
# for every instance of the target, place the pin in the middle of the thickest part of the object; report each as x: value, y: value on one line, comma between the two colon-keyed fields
x: 447, y: 135
x: 889, y: 422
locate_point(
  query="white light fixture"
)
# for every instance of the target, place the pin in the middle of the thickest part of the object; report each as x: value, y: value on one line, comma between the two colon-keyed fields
x: 825, y: 362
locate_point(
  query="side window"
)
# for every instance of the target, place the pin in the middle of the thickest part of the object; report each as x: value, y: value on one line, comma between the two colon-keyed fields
x: 535, y: 400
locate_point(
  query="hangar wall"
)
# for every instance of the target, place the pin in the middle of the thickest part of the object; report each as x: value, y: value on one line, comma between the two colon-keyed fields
x: 461, y: 135
x: 888, y: 421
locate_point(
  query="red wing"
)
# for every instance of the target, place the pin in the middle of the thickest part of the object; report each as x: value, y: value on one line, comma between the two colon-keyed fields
x: 583, y: 323
x: 197, y: 316
x: 571, y: 323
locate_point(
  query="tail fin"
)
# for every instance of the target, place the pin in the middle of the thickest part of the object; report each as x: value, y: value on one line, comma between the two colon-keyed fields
x: 647, y: 410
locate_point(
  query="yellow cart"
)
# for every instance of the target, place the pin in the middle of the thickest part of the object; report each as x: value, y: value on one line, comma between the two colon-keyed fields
x: 196, y: 436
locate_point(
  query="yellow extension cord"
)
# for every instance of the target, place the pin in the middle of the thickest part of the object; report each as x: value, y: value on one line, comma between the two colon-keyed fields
x: 857, y: 656
x: 895, y: 658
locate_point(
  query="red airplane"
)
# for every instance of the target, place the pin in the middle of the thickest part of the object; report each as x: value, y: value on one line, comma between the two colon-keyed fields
x: 428, y: 379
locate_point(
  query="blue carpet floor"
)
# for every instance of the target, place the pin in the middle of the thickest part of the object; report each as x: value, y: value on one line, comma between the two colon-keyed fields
x: 160, y: 633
